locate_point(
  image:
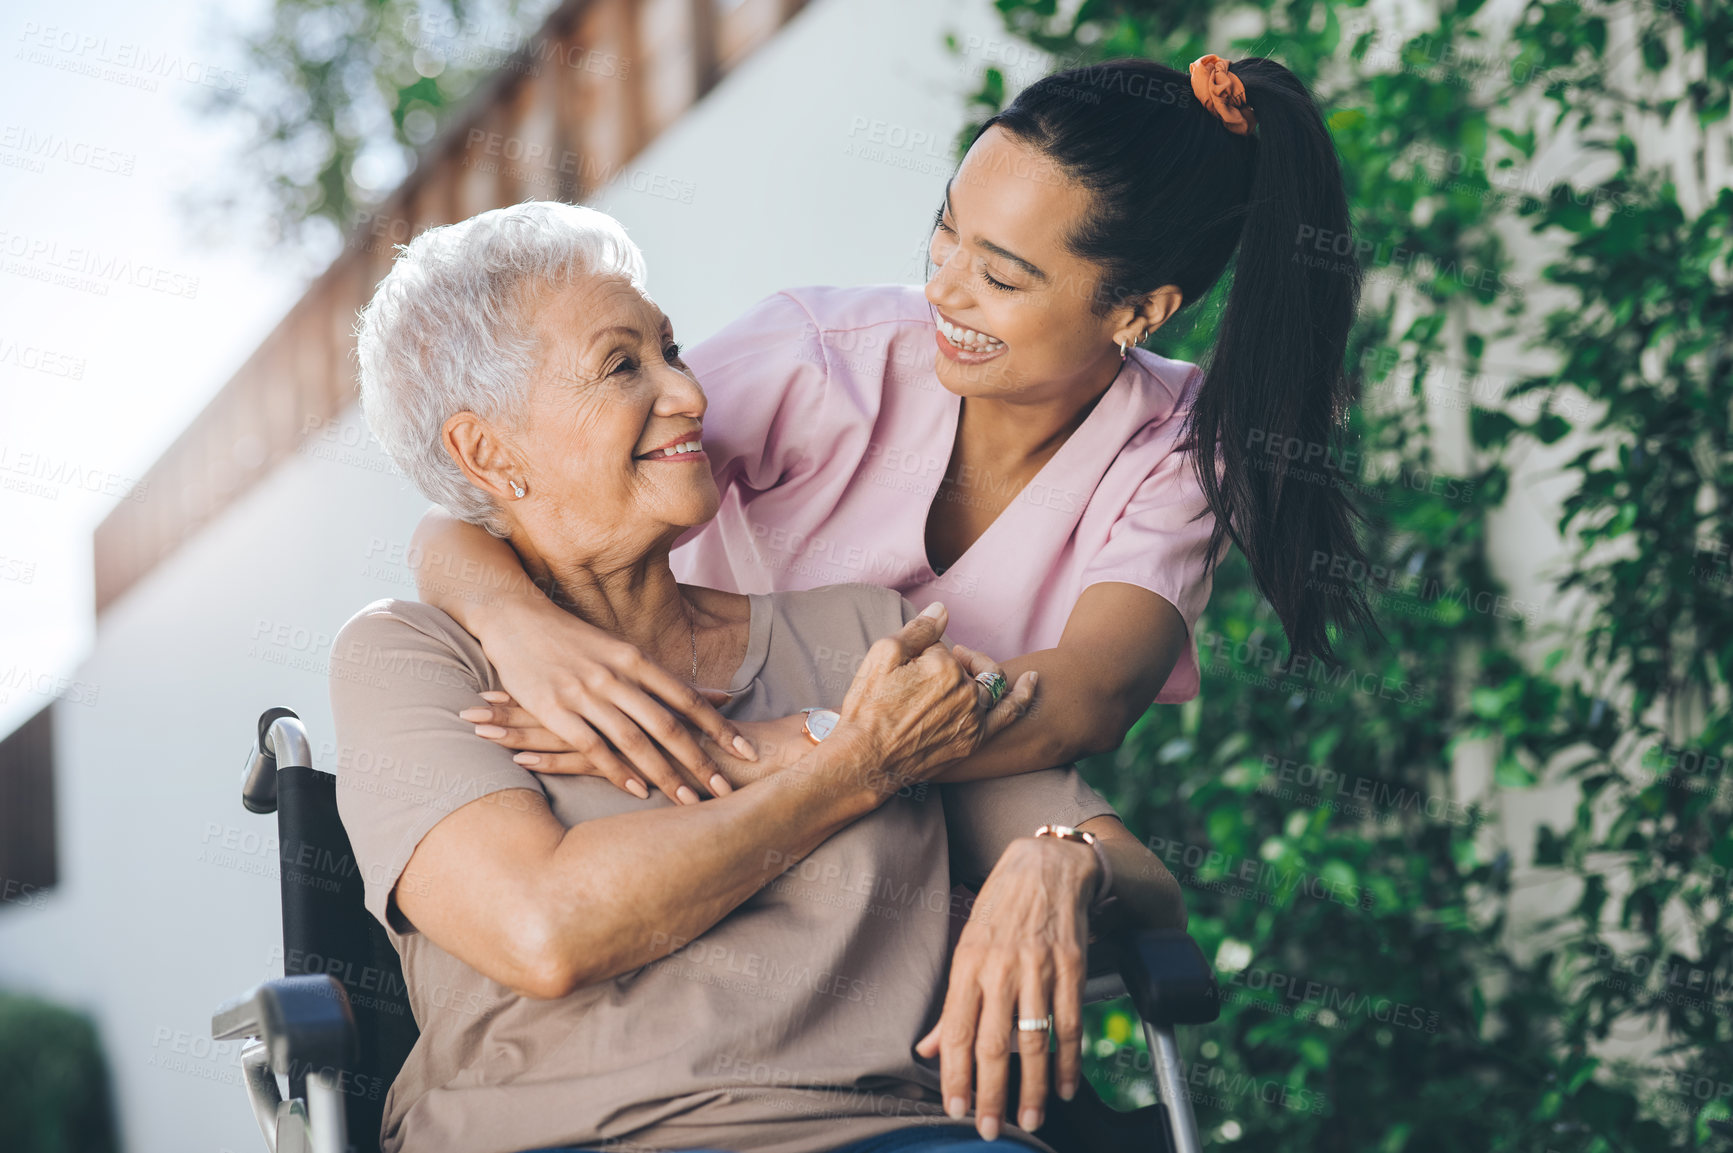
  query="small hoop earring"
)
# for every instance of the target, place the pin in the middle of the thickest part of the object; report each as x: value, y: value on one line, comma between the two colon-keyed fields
x: 1121, y: 348
x: 517, y: 490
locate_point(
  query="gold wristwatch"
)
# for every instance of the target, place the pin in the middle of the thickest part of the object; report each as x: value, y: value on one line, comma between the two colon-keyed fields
x: 1104, y: 885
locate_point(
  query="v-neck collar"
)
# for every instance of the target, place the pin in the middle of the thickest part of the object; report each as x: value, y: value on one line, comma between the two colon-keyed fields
x: 757, y: 646
x: 1090, y: 436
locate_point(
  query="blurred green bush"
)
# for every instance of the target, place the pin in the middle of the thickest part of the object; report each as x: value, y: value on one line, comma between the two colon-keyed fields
x: 54, y: 1087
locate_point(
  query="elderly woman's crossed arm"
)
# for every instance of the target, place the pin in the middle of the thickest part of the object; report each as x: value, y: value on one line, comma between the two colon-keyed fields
x: 501, y: 884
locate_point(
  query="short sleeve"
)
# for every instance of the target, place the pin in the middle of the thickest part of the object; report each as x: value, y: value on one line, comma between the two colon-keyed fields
x: 1160, y: 542
x: 398, y: 678
x: 984, y: 817
x: 765, y: 376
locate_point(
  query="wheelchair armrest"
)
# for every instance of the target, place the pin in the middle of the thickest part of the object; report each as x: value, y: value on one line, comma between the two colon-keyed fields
x: 1162, y: 970
x: 1168, y: 977
x: 304, y: 1023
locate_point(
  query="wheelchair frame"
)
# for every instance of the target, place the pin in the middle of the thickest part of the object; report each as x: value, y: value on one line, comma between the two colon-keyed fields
x: 305, y: 1039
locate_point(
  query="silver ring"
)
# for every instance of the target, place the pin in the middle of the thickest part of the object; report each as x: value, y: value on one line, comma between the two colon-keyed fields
x: 994, y: 683
x: 1034, y: 1024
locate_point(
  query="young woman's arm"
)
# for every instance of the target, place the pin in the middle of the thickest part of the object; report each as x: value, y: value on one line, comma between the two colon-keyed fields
x: 1119, y: 645
x: 597, y: 693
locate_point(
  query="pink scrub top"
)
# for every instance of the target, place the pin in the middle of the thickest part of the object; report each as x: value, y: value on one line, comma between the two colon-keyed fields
x: 829, y: 434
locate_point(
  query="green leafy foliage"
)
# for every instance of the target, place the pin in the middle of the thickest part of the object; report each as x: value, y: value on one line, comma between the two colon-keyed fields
x: 341, y: 93
x: 1390, y: 984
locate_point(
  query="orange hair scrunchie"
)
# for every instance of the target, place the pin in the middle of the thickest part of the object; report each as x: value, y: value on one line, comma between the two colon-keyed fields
x: 1222, y: 93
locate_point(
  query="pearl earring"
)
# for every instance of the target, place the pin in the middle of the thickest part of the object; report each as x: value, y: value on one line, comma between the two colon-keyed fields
x: 517, y: 490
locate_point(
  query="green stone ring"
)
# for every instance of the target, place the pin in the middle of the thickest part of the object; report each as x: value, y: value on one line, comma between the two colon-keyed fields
x: 995, y: 685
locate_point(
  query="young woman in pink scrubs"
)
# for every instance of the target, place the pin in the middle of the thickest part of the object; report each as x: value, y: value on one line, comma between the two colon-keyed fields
x: 998, y: 442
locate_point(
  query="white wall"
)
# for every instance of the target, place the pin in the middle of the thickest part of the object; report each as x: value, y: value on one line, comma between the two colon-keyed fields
x: 822, y: 162
x: 168, y: 901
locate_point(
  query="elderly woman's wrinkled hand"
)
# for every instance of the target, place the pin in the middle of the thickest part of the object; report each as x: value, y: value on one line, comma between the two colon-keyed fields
x: 1022, y: 955
x: 919, y: 706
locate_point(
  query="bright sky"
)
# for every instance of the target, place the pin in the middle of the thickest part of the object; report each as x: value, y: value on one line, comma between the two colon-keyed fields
x: 116, y: 323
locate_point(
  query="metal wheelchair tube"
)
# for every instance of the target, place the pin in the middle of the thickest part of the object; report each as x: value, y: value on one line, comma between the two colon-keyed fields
x: 262, y: 1092
x: 325, y: 1113
x: 287, y: 741
x: 282, y: 742
x: 1170, y: 1081
x: 292, y: 1127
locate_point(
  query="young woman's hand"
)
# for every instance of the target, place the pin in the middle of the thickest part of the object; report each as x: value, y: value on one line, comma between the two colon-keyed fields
x: 1022, y: 954
x: 778, y: 744
x: 781, y: 744
x: 612, y: 711
x: 902, y: 728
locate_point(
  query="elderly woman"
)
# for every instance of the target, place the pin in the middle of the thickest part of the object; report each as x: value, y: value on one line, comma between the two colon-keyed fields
x: 761, y: 971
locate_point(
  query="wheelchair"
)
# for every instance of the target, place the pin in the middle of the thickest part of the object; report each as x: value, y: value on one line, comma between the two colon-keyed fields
x: 323, y: 1043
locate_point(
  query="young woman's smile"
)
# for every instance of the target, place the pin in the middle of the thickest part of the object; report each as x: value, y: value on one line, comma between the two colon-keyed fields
x: 1011, y: 301
x: 964, y: 345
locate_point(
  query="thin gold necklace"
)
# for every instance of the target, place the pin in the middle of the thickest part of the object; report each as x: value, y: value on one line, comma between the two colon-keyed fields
x: 693, y: 626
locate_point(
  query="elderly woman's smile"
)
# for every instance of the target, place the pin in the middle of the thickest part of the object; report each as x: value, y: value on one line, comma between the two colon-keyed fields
x: 689, y: 447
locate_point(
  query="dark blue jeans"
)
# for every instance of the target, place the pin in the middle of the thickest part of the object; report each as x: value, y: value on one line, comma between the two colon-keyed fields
x: 915, y: 1139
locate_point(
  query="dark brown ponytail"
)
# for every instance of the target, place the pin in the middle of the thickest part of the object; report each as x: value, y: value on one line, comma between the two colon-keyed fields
x: 1176, y: 195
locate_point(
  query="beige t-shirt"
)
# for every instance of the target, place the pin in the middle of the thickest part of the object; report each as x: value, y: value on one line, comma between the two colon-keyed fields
x: 788, y: 1027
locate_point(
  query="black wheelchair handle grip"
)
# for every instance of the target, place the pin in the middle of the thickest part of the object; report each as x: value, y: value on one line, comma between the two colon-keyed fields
x: 1168, y: 977
x: 276, y: 746
x: 305, y: 1022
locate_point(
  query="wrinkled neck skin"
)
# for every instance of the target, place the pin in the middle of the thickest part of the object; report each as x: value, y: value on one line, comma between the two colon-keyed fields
x: 633, y: 598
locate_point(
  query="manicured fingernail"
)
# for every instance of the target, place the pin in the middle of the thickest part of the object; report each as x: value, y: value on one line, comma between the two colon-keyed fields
x: 719, y: 785
x: 527, y: 759
x: 1034, y: 678
x: 1031, y: 1120
x: 637, y: 789
x: 495, y: 696
x: 489, y: 731
x: 476, y: 714
x: 686, y: 795
x: 1068, y: 1090
x: 989, y: 1127
x: 744, y: 748
x: 956, y: 1107
x: 933, y: 609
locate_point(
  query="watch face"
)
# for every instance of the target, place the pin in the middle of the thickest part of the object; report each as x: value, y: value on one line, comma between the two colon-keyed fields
x: 820, y: 722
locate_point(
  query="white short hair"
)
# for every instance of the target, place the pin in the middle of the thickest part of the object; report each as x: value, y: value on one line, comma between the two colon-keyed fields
x: 447, y: 331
